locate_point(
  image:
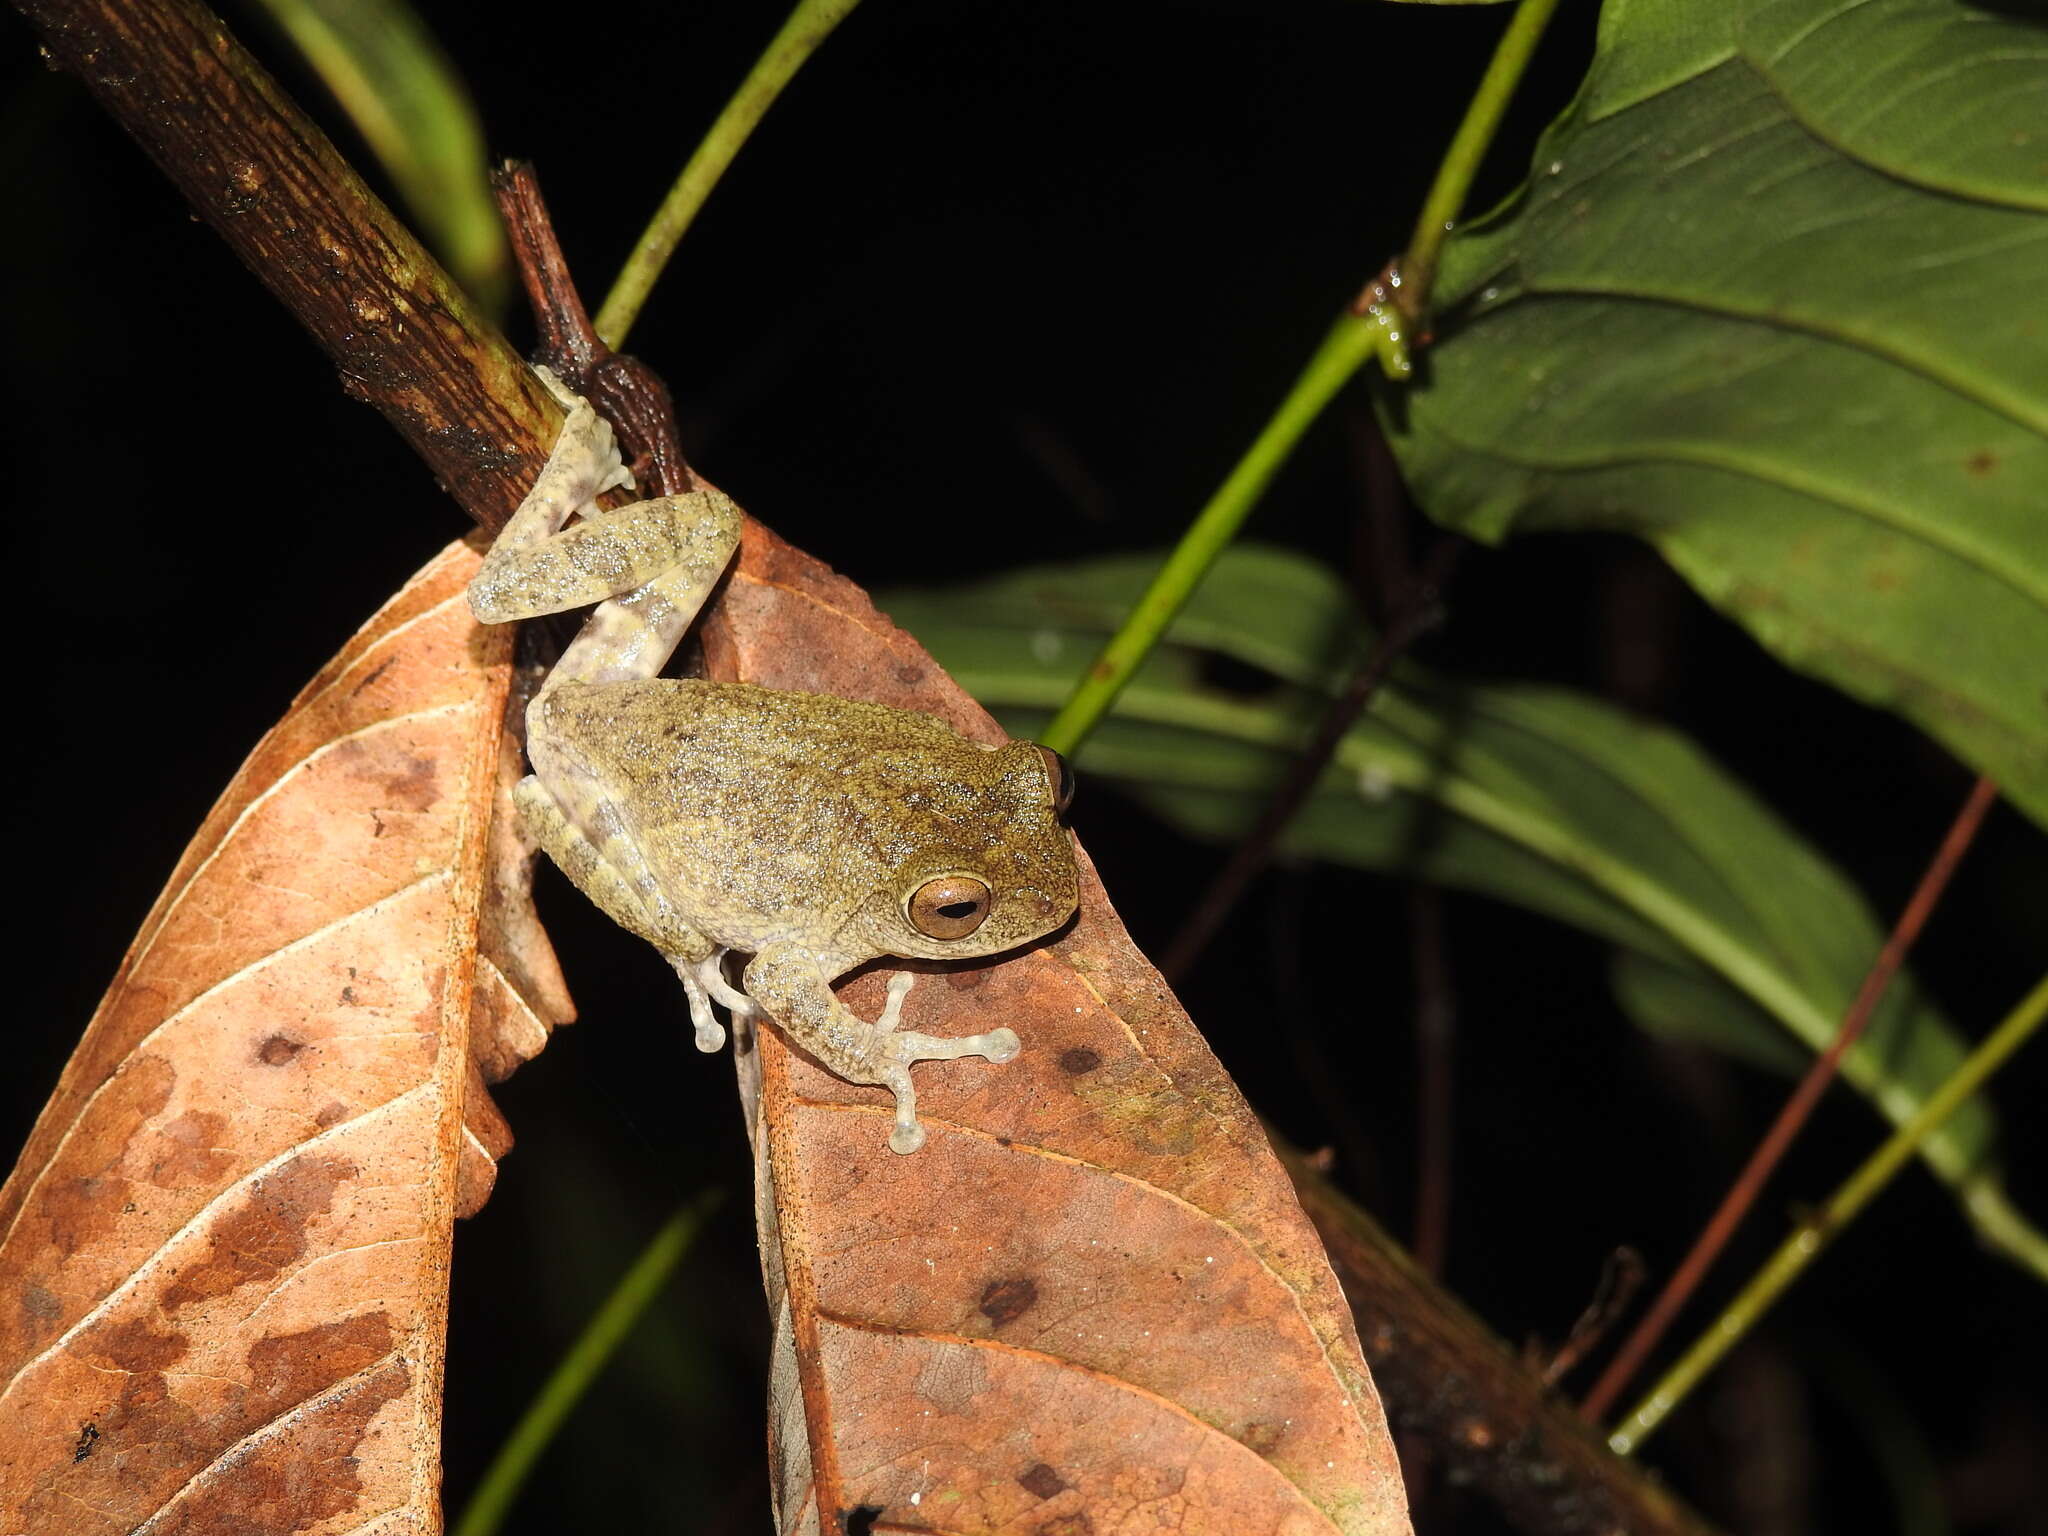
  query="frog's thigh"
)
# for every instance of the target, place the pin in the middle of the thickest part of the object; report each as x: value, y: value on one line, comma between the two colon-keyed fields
x: 599, y: 879
x: 633, y: 635
x: 583, y: 464
x: 675, y: 538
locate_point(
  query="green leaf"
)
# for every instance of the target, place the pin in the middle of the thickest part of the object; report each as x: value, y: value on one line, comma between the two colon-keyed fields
x: 1679, y: 1003
x: 1772, y: 301
x: 406, y: 100
x: 1538, y: 796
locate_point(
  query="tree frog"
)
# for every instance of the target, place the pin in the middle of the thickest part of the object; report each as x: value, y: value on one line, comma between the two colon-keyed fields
x: 812, y: 833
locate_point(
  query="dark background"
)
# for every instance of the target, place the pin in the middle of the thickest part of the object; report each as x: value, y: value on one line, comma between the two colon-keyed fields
x: 992, y: 285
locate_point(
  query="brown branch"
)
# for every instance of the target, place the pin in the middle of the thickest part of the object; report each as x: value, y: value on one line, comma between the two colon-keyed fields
x: 1487, y: 1417
x: 627, y: 393
x: 403, y: 336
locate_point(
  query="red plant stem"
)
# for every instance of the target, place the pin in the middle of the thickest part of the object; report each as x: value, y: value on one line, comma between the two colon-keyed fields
x: 1742, y: 1194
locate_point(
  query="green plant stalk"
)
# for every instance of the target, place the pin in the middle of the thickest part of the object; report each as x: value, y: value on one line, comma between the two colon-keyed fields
x: 580, y: 1367
x: 809, y: 24
x: 1371, y: 331
x: 1815, y: 1233
x: 1350, y: 341
x: 1468, y: 147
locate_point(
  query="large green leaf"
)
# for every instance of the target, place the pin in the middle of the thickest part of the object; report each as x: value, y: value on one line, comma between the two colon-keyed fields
x: 1773, y: 300
x: 1538, y: 796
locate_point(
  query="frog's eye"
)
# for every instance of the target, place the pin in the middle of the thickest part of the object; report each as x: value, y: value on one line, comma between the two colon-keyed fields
x: 950, y: 907
x: 1061, y: 776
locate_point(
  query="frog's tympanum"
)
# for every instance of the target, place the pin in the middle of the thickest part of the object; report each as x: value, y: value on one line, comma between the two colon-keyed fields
x: 812, y: 833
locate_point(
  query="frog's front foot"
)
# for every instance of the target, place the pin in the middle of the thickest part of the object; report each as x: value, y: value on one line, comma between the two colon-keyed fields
x: 897, y: 1050
x: 791, y: 989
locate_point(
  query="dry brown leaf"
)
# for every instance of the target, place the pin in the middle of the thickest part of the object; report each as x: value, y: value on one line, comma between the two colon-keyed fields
x: 1091, y: 1306
x: 224, y: 1252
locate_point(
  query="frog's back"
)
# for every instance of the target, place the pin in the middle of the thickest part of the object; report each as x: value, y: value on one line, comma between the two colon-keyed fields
x: 698, y: 741
x: 742, y: 795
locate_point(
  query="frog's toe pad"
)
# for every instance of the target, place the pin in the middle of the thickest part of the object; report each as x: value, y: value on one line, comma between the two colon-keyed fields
x: 710, y: 1035
x: 906, y: 1139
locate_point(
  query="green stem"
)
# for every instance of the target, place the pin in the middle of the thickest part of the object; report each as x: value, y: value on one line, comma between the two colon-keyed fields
x: 1350, y: 341
x: 1372, y: 330
x: 1815, y: 1233
x: 808, y: 26
x: 1468, y: 147
x: 580, y: 1367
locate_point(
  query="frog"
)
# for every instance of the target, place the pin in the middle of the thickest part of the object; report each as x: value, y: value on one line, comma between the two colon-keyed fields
x: 806, y: 834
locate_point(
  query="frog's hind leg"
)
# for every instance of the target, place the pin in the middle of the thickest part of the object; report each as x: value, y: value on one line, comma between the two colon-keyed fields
x: 516, y: 580
x: 677, y: 548
x: 649, y: 565
x: 593, y: 874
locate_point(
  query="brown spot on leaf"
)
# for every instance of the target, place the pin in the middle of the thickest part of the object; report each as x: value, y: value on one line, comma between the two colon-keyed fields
x: 909, y: 674
x: 78, y: 1209
x: 968, y: 981
x: 266, y: 1232
x: 189, y: 1152
x: 404, y: 781
x: 1981, y: 463
x: 1004, y: 1301
x: 40, y: 1310
x: 288, y: 1368
x: 137, y: 1348
x: 1042, y: 1482
x: 375, y: 672
x: 1262, y: 1435
x: 416, y: 787
x: 331, y: 1113
x: 293, y: 1480
x: 88, y: 1437
x: 1079, y: 1059
x: 279, y: 1049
